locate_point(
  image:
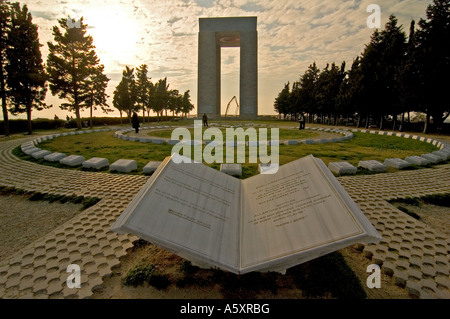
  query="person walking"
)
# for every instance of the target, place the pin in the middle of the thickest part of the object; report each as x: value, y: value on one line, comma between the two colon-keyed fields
x: 135, y: 122
x: 205, y: 120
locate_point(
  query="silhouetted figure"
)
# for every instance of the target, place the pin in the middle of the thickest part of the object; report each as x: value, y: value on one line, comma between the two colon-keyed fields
x: 205, y: 120
x: 302, y: 122
x: 135, y: 122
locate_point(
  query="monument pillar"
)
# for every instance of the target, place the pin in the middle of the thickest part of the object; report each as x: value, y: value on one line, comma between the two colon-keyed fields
x: 248, y: 81
x: 214, y: 34
x: 208, y: 74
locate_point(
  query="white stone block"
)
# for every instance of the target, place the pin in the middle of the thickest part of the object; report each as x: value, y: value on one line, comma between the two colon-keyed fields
x: 72, y: 160
x: 342, y: 168
x: 173, y: 142
x: 123, y: 166
x: 145, y: 140
x: 54, y: 157
x: 373, y: 166
x: 40, y: 154
x: 231, y: 169
x: 158, y: 141
x: 151, y: 167
x: 417, y: 160
x: 31, y: 150
x: 442, y: 154
x: 96, y: 163
x: 432, y: 158
x: 397, y: 163
x: 291, y: 142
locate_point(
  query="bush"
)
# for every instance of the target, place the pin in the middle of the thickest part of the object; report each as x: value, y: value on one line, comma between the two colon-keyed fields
x: 158, y: 281
x: 138, y: 275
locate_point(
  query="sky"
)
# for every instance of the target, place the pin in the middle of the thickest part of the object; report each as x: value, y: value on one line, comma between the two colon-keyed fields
x: 292, y: 34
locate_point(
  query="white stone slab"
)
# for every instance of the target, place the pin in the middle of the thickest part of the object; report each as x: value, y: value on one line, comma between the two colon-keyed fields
x: 72, y: 160
x: 372, y: 165
x: 151, y: 167
x: 123, y: 166
x: 291, y: 142
x: 145, y: 140
x: 231, y: 169
x: 397, y: 163
x: 342, y: 168
x: 31, y: 150
x: 54, y: 157
x: 173, y: 142
x: 158, y: 141
x: 96, y: 163
x: 442, y: 154
x: 432, y: 158
x: 40, y: 154
x: 417, y: 160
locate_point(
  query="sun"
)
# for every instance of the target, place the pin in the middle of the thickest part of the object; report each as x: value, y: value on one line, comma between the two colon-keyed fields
x: 115, y: 33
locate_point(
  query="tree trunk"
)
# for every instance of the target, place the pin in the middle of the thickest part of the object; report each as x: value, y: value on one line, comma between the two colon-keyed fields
x: 90, y: 120
x: 77, y: 116
x: 367, y: 121
x: 143, y: 115
x: 427, y: 123
x: 394, y: 118
x: 402, y: 121
x: 381, y: 122
x: 29, y: 125
x: 3, y: 96
x: 120, y: 112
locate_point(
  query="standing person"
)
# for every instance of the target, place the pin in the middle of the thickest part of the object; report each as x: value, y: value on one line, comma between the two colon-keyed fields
x: 135, y: 122
x: 205, y: 120
x: 302, y: 122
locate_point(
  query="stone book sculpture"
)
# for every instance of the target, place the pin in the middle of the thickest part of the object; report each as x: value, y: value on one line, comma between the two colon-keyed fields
x: 262, y: 223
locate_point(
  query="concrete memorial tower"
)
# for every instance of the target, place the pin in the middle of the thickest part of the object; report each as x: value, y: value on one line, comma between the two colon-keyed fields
x: 214, y: 34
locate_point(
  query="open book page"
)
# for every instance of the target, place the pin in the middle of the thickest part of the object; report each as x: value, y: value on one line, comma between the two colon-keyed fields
x: 189, y: 208
x: 290, y: 212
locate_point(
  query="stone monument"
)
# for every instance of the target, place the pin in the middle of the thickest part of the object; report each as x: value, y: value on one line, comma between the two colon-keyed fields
x: 215, y: 33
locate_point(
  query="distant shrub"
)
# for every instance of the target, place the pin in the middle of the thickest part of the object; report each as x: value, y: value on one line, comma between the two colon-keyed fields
x: 138, y: 275
x: 159, y: 281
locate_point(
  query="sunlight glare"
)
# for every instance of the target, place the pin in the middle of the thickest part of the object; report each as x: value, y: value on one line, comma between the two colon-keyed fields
x: 115, y: 33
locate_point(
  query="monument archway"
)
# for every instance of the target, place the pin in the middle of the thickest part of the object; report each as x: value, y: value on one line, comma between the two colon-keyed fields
x: 215, y: 33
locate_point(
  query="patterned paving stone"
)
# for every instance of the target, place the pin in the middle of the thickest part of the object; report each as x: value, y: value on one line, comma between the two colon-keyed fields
x: 414, y: 254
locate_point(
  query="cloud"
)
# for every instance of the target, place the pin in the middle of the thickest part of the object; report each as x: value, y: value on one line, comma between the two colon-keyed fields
x: 292, y: 34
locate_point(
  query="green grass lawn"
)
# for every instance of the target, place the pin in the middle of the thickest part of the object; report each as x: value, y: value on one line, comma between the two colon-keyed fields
x: 363, y: 146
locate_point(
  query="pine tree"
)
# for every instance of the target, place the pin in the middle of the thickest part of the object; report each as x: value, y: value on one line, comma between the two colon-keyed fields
x: 308, y: 94
x: 96, y: 95
x: 161, y: 97
x: 4, y: 27
x: 143, y: 85
x: 27, y: 80
x: 380, y: 64
x: 433, y: 59
x: 71, y: 64
x: 187, y: 106
x: 125, y: 94
x: 282, y: 101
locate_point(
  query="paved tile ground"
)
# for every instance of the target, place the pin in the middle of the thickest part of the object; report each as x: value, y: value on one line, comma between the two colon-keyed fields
x: 416, y: 255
